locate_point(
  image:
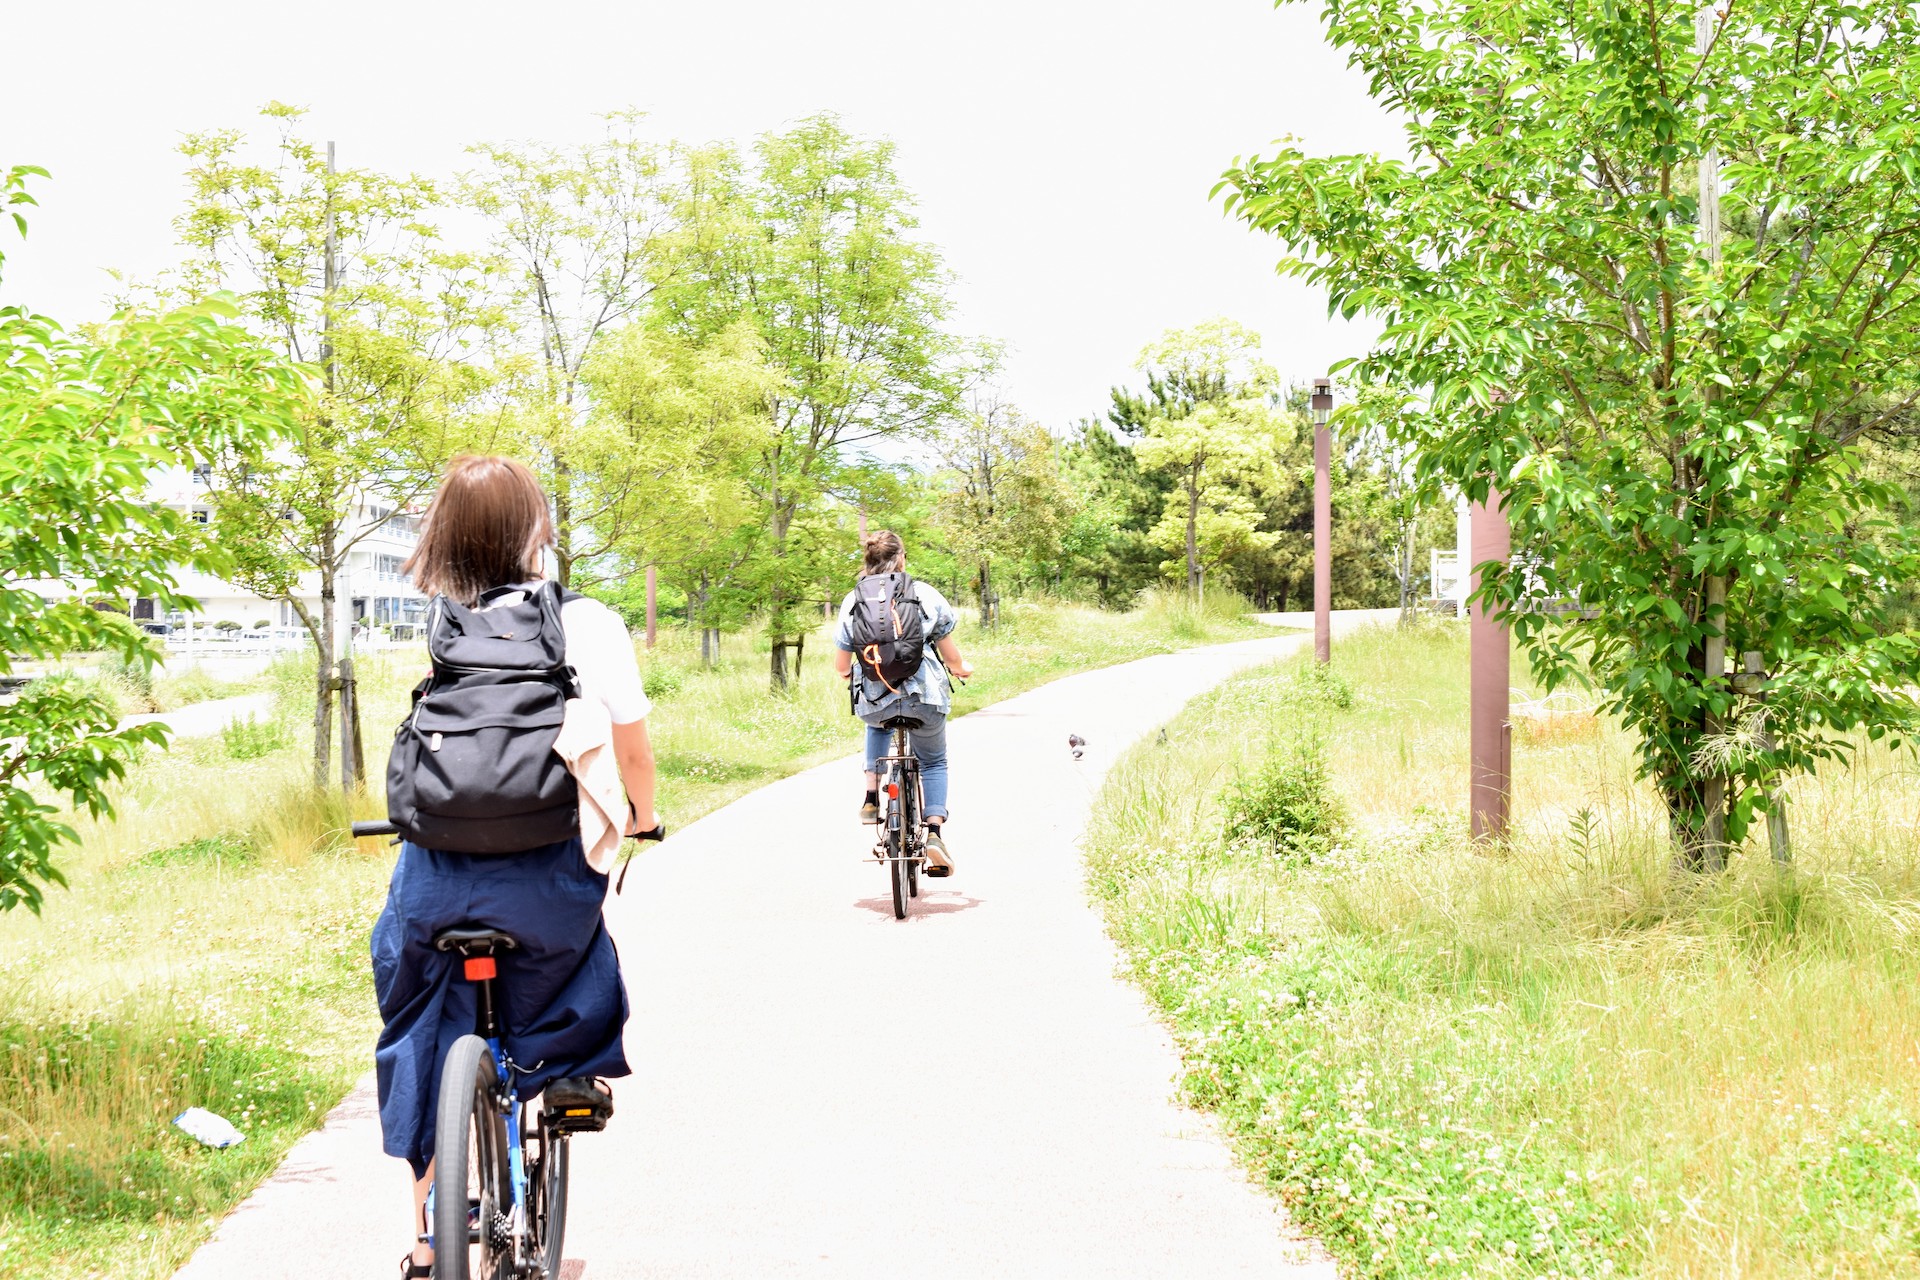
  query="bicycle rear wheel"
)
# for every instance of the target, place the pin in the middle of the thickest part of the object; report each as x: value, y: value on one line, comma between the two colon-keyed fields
x: 913, y: 824
x: 898, y: 844
x: 470, y: 1182
x: 898, y: 865
x: 549, y: 1190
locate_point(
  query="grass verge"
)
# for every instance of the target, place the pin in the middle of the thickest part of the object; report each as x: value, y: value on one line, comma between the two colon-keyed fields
x: 212, y: 948
x: 1561, y: 1060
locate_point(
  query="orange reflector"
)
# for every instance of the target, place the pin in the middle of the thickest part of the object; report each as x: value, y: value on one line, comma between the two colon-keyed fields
x: 577, y: 1111
x: 480, y: 968
x: 893, y: 791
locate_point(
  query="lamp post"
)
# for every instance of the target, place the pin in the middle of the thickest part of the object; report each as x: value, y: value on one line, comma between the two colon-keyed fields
x: 1321, y: 407
x: 1490, y: 659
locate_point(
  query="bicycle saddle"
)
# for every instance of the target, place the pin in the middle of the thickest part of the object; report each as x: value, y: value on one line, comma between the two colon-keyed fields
x: 903, y: 722
x: 464, y: 939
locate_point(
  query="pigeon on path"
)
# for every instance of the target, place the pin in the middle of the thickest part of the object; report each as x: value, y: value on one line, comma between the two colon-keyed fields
x: 1077, y: 745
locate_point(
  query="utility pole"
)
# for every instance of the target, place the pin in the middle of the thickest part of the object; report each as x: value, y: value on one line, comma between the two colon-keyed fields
x: 1490, y: 666
x: 1321, y: 410
x: 1713, y: 609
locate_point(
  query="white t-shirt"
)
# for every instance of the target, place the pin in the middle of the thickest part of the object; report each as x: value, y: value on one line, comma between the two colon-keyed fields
x: 601, y: 651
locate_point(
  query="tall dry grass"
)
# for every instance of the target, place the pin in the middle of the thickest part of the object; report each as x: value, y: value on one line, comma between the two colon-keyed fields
x: 1564, y: 1059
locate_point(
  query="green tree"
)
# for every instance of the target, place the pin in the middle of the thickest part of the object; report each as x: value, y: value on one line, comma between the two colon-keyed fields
x: 1005, y: 503
x: 664, y: 459
x: 83, y: 427
x: 1218, y: 435
x: 814, y: 243
x: 343, y: 270
x: 1654, y: 269
x: 585, y: 233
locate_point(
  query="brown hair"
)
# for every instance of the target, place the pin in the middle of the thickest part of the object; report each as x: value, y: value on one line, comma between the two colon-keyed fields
x: 486, y: 528
x: 885, y: 552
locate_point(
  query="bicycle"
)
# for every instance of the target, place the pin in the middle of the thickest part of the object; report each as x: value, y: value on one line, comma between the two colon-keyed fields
x: 499, y: 1184
x: 902, y: 845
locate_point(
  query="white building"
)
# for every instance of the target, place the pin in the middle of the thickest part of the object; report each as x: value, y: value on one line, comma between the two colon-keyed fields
x: 1451, y: 576
x: 371, y: 585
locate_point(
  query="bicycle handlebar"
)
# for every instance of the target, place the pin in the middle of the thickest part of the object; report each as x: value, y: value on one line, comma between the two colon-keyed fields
x: 381, y: 827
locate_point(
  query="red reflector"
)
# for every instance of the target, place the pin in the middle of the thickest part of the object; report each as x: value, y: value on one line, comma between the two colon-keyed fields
x: 893, y: 791
x: 480, y: 968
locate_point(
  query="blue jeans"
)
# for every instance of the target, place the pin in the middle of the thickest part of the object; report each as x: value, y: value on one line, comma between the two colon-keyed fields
x: 930, y: 746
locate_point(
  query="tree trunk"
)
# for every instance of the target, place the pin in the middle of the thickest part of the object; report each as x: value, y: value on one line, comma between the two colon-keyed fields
x: 1193, y: 536
x: 1713, y: 852
x: 562, y: 523
x: 1692, y: 822
x: 780, y: 606
x: 1405, y: 571
x: 323, y: 673
x: 985, y: 591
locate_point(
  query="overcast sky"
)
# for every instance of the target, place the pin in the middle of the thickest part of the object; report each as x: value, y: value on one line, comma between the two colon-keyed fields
x: 1062, y: 150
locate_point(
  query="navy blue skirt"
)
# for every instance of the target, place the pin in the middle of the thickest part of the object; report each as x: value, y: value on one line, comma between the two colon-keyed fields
x: 563, y: 1004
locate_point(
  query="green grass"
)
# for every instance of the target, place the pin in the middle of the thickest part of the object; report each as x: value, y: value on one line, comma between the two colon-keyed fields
x: 212, y: 948
x: 1563, y: 1059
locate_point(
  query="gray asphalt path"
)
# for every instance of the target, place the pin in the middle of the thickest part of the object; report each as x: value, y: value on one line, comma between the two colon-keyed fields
x: 822, y: 1090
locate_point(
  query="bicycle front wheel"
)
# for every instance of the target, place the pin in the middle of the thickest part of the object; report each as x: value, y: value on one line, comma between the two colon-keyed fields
x: 898, y: 846
x: 471, y: 1198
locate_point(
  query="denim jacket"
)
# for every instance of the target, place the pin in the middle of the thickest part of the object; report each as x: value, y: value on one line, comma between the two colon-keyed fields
x: 929, y: 685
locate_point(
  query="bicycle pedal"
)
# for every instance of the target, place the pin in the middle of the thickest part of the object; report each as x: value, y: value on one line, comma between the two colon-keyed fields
x: 575, y: 1106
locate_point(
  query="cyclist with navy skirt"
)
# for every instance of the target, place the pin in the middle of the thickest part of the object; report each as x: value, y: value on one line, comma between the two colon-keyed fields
x: 482, y: 546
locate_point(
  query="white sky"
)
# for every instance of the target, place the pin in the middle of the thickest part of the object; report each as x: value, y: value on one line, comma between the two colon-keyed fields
x: 1062, y: 150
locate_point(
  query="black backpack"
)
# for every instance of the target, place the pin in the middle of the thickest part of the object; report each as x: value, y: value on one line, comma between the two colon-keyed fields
x: 473, y: 768
x: 888, y: 630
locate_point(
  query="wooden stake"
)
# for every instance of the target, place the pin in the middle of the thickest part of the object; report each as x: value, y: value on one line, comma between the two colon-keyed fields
x: 653, y: 605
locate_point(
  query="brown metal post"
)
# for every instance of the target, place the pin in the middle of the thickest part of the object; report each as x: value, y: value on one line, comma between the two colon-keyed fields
x: 1322, y: 544
x: 1491, y: 664
x: 863, y: 524
x: 653, y: 605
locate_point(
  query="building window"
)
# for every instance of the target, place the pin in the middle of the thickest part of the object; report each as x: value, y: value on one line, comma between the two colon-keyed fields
x: 202, y: 515
x: 389, y: 568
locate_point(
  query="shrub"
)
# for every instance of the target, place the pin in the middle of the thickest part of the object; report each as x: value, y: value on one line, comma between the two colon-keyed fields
x: 1286, y: 806
x: 1319, y: 683
x: 661, y: 680
x: 226, y: 625
x: 263, y: 624
x: 250, y: 739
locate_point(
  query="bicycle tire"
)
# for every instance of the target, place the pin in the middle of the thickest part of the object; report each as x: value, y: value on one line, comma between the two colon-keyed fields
x: 913, y: 824
x: 469, y: 1147
x: 897, y: 847
x: 548, y: 1186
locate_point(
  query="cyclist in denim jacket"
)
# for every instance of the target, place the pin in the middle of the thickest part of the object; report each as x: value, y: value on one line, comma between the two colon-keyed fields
x: 927, y: 694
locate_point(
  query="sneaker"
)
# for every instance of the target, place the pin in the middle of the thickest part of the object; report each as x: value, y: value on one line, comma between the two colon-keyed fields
x: 938, y: 865
x: 870, y: 812
x: 578, y: 1104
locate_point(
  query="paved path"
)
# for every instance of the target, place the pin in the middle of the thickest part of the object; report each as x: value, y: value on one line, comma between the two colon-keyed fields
x: 821, y: 1090
x: 204, y: 719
